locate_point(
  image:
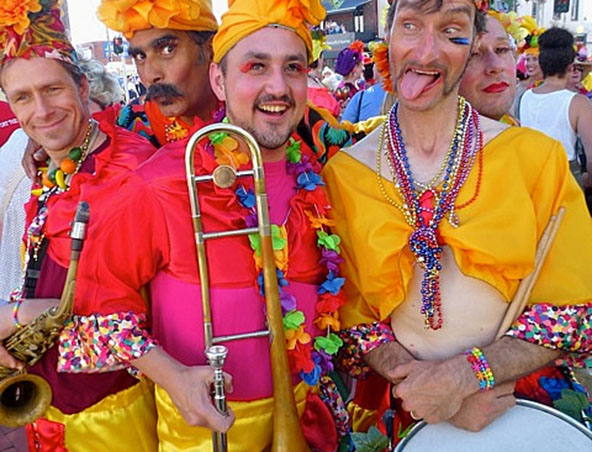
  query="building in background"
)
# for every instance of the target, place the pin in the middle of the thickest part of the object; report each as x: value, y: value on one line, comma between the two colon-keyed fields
x: 351, y: 20
x: 573, y: 15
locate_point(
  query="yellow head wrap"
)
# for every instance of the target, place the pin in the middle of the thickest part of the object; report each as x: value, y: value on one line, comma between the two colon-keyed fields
x: 129, y: 16
x: 245, y: 17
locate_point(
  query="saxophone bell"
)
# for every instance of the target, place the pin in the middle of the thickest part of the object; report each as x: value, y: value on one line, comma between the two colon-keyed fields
x: 25, y: 397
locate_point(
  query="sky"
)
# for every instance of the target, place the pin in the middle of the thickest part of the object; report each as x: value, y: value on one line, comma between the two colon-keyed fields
x: 86, y: 27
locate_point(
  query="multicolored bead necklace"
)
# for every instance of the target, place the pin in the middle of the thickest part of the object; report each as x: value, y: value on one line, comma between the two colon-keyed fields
x: 57, y: 179
x: 425, y: 209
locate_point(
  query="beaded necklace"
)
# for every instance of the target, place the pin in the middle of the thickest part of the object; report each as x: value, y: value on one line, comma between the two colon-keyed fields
x: 311, y: 359
x: 425, y: 209
x: 36, y: 230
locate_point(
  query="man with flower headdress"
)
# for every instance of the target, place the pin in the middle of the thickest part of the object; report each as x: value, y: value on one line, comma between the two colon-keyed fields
x: 350, y: 65
x: 441, y: 227
x: 49, y: 95
x: 261, y: 53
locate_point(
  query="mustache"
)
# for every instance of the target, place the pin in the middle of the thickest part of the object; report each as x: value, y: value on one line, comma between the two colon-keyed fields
x: 266, y: 98
x: 165, y: 91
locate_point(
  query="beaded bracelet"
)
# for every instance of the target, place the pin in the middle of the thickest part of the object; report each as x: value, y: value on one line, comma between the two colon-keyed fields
x: 481, y: 368
x: 15, y: 309
x: 358, y: 341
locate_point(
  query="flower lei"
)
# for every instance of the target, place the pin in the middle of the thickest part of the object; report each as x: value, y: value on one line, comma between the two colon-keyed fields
x: 309, y: 358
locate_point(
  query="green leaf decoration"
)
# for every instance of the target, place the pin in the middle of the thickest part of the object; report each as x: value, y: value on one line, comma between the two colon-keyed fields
x: 293, y: 319
x: 373, y: 441
x: 217, y: 137
x: 226, y: 120
x: 329, y: 241
x: 277, y: 241
x: 330, y: 344
x: 255, y: 241
x: 571, y: 403
x: 293, y: 153
x: 404, y: 433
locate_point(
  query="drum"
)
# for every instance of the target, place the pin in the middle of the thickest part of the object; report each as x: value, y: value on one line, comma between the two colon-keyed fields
x: 529, y: 426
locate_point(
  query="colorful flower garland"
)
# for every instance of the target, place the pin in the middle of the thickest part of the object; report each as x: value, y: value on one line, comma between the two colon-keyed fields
x: 309, y: 358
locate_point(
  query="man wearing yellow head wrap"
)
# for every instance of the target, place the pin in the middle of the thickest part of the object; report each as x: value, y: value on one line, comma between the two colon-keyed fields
x: 170, y: 42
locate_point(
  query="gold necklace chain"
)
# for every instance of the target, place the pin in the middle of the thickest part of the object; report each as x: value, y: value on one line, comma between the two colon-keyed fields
x: 459, y: 131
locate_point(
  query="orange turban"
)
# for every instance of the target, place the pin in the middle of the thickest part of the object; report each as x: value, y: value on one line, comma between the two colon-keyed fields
x: 129, y: 16
x: 245, y: 17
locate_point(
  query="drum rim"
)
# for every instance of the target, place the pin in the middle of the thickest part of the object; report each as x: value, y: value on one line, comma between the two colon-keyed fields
x: 522, y: 402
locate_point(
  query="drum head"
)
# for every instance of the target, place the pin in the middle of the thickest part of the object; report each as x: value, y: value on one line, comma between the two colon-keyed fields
x: 529, y: 426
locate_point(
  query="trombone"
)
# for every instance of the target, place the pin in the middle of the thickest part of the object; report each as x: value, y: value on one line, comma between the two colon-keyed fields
x: 287, y: 434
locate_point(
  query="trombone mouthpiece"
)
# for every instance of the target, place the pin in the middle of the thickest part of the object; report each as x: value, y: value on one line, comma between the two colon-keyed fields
x: 216, y: 355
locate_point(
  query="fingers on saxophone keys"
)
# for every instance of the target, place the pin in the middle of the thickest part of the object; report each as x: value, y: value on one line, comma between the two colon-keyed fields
x: 7, y: 360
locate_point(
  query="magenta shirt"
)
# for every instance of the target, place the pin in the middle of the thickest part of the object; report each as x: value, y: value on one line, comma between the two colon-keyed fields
x: 177, y: 313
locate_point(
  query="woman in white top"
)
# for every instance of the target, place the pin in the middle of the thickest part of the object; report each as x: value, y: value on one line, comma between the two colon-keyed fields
x: 552, y: 108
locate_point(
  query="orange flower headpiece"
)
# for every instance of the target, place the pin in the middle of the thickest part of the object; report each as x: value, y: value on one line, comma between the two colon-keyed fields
x: 129, y: 16
x: 33, y: 28
x: 245, y: 17
x: 380, y: 57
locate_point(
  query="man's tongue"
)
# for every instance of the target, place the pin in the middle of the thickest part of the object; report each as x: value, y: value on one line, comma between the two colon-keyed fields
x: 413, y: 84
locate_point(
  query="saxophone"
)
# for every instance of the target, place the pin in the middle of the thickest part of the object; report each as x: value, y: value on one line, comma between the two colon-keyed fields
x: 25, y: 397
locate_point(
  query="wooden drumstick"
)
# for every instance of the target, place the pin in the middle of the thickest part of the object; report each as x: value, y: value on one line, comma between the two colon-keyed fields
x: 522, y: 295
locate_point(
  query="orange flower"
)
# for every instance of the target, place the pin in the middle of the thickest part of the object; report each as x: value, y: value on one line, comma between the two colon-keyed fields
x: 228, y: 153
x: 15, y: 13
x: 317, y: 222
x: 294, y: 337
x: 380, y: 57
x: 325, y: 321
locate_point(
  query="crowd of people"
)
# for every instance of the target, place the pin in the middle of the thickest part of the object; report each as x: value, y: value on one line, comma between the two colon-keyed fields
x: 408, y: 207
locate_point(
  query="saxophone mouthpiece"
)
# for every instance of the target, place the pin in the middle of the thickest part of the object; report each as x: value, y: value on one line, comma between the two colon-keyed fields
x: 82, y: 213
x: 78, y: 232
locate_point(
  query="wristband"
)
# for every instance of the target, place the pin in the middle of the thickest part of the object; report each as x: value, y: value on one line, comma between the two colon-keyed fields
x: 15, y: 309
x: 481, y: 368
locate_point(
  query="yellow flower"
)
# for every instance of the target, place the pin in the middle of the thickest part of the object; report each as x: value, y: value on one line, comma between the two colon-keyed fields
x: 228, y: 153
x: 15, y: 13
x: 295, y: 336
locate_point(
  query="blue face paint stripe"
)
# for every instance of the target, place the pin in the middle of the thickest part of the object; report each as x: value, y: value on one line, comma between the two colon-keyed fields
x: 460, y: 41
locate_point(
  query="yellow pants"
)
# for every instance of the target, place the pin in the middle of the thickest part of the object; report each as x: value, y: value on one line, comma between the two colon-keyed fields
x: 251, y: 432
x: 122, y: 422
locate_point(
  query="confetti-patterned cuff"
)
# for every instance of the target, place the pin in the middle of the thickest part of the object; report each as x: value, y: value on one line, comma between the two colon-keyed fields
x: 103, y: 343
x: 359, y: 341
x: 567, y: 328
x: 330, y: 395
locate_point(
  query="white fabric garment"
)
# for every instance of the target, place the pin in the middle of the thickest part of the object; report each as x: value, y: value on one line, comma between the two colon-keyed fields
x: 549, y: 113
x: 15, y: 190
